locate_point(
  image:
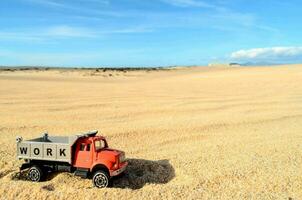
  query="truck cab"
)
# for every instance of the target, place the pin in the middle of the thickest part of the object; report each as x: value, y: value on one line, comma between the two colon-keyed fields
x: 93, y: 155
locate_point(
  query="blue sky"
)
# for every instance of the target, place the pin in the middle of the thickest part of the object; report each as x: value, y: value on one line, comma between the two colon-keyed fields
x: 149, y: 32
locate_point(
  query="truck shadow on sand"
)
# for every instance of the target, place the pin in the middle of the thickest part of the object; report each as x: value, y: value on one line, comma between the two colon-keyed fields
x: 141, y: 172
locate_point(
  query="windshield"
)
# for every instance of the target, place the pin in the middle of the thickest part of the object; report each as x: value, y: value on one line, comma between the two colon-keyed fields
x: 99, y: 144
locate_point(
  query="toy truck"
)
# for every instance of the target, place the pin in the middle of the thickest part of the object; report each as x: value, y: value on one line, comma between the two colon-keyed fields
x: 86, y: 155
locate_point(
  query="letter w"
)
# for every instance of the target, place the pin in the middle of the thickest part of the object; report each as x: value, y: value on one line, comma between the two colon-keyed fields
x: 23, y: 150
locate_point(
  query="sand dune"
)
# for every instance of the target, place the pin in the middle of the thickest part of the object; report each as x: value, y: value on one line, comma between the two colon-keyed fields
x: 189, y: 133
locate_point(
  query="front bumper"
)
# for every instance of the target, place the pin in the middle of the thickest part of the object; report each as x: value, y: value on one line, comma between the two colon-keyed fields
x: 121, y: 169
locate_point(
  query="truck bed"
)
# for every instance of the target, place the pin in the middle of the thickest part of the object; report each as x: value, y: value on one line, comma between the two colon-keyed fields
x: 51, y: 148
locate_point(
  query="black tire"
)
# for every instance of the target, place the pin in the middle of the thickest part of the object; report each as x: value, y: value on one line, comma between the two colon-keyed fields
x: 35, y: 174
x: 100, y: 179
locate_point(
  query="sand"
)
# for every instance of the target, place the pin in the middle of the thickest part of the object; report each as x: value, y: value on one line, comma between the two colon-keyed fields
x: 194, y: 133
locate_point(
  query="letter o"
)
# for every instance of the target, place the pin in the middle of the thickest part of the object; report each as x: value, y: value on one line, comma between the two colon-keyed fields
x: 36, y: 151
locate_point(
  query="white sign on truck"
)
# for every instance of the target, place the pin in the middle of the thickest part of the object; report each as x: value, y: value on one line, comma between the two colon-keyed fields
x: 56, y: 148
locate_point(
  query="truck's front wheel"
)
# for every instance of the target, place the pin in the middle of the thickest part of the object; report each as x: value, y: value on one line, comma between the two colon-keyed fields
x: 35, y: 173
x: 100, y: 179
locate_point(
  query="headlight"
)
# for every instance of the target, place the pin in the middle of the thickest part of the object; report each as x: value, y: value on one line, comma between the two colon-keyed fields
x: 122, y: 157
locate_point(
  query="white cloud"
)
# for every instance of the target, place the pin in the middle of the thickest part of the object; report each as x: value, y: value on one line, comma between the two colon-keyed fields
x: 268, y: 54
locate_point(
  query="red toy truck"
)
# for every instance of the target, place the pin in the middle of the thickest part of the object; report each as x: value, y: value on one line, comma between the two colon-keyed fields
x: 87, y: 155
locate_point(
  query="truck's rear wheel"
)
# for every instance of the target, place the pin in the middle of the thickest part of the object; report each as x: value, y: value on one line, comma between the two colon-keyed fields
x: 100, y: 179
x: 35, y: 174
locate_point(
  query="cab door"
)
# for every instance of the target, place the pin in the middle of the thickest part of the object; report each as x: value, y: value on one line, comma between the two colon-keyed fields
x: 83, y: 155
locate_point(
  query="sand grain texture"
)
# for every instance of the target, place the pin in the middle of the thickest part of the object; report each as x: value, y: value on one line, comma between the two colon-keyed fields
x: 194, y: 133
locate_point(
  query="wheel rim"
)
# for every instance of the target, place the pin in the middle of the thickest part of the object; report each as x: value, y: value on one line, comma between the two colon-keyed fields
x: 100, y: 180
x: 34, y: 174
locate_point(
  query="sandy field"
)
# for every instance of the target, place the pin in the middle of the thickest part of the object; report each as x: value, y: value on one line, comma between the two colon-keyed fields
x: 194, y: 133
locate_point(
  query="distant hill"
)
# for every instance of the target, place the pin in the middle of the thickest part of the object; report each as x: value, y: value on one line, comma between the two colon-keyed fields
x: 261, y: 64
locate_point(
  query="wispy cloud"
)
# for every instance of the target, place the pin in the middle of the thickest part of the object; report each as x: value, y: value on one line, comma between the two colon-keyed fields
x: 47, y: 3
x: 268, y: 54
x: 79, y: 8
x: 189, y: 3
x: 67, y: 32
x: 65, y: 5
x: 130, y: 30
x: 220, y: 18
x: 232, y: 21
x: 223, y: 20
x: 17, y: 36
x: 46, y: 33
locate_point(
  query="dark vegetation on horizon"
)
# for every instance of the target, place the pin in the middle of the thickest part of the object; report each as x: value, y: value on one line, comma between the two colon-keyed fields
x: 97, y: 69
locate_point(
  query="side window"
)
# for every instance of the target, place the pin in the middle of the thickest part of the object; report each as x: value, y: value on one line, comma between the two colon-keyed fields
x: 88, y: 147
x: 97, y: 144
x: 82, y: 147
